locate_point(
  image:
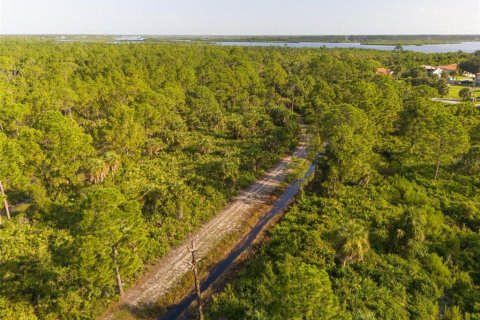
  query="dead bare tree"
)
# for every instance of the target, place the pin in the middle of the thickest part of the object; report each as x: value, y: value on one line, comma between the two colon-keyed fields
x: 117, y: 270
x: 5, y: 202
x: 193, y: 264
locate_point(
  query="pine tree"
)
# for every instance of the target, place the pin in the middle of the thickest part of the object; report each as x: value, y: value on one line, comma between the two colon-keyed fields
x: 111, y: 238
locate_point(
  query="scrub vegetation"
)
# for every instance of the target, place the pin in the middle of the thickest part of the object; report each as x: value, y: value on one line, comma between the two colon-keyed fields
x: 389, y: 228
x: 112, y: 154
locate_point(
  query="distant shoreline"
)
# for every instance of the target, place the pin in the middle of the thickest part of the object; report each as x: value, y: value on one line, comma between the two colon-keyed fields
x: 382, y: 40
x: 382, y: 43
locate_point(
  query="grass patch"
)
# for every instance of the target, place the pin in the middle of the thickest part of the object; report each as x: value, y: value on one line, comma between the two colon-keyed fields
x: 455, y: 89
x: 461, y: 78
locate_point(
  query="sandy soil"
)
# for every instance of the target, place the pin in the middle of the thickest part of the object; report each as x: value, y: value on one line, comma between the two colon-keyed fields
x: 165, y: 274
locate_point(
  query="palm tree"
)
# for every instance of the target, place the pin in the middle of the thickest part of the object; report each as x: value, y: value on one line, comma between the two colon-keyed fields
x: 97, y: 171
x: 352, y: 243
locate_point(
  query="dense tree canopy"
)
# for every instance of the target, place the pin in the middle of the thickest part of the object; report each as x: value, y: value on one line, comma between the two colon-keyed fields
x: 123, y: 150
x: 392, y: 215
x: 111, y: 154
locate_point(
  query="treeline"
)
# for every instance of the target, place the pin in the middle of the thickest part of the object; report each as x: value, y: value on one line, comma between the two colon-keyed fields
x: 364, y: 39
x: 111, y: 154
x: 389, y: 228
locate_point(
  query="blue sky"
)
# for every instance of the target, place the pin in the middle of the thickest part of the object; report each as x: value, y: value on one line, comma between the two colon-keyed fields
x: 208, y: 17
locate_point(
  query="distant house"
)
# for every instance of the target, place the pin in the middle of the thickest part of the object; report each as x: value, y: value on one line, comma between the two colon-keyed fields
x: 439, y: 70
x: 449, y: 67
x: 429, y: 69
x: 477, y: 79
x: 384, y: 72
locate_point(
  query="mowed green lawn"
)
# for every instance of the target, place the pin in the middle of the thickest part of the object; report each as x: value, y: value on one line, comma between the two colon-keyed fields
x: 455, y: 89
x: 459, y: 78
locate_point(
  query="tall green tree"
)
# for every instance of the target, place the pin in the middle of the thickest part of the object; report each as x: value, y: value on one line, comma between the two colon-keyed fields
x: 434, y: 135
x: 123, y: 134
x: 66, y: 147
x: 287, y: 289
x: 11, y: 162
x: 470, y: 162
x: 110, y: 238
x: 204, y: 110
x: 349, y: 137
x: 443, y: 88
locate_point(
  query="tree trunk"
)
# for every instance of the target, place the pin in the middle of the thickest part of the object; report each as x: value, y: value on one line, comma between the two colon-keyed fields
x: 199, y: 294
x: 5, y: 202
x: 117, y: 271
x: 193, y: 264
x: 179, y: 210
x: 437, y: 168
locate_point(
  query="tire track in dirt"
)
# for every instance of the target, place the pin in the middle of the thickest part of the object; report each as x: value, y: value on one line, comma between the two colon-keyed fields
x: 170, y: 269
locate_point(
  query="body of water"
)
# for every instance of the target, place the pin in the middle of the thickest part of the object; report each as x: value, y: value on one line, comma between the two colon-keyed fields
x: 427, y: 48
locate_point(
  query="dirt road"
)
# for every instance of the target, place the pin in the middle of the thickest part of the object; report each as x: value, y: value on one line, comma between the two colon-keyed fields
x: 170, y: 269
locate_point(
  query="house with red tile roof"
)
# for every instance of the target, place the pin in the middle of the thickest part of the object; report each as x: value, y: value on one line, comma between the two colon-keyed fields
x: 438, y: 70
x: 449, y: 67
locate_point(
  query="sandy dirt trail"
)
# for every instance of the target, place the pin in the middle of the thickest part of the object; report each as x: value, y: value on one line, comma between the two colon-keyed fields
x: 170, y: 269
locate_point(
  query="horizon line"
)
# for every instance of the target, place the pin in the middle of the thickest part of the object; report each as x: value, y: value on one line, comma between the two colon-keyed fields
x: 237, y: 35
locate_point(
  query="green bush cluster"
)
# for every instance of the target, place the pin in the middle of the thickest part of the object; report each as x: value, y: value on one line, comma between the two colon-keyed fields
x: 389, y: 226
